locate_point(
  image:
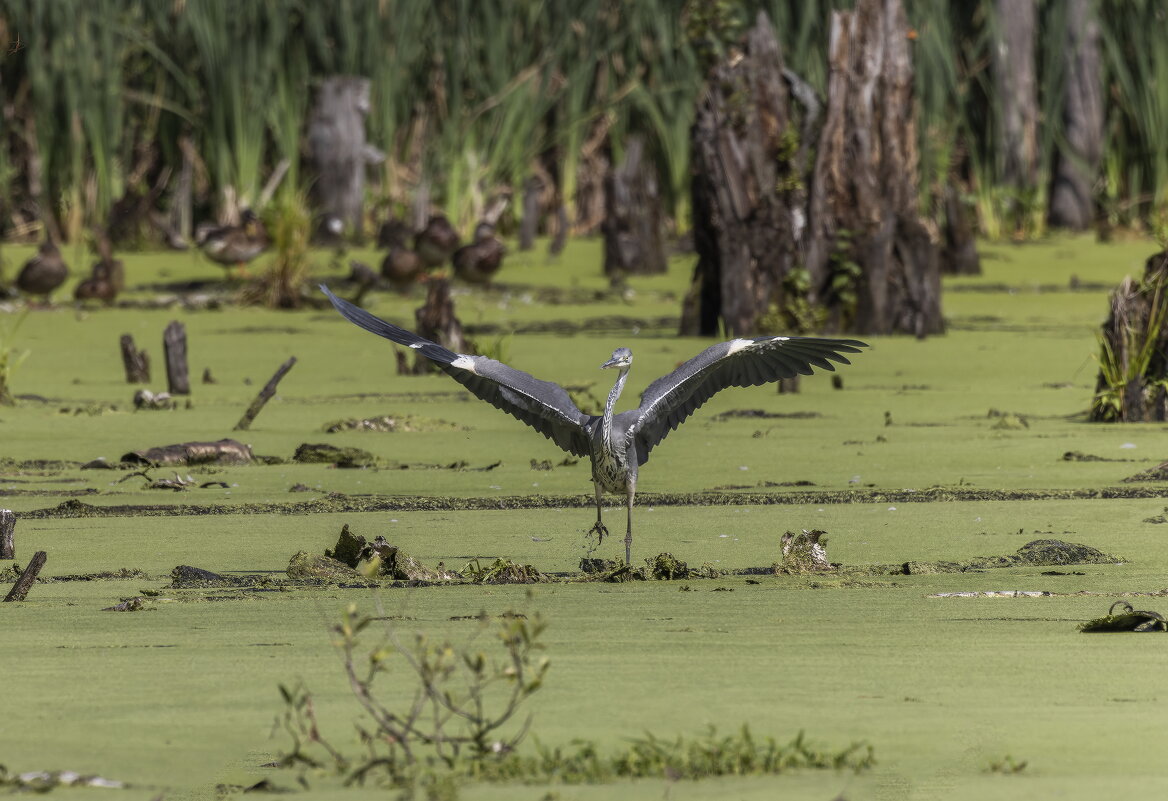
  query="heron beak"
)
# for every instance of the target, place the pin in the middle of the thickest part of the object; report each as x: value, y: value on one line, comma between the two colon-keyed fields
x: 614, y: 362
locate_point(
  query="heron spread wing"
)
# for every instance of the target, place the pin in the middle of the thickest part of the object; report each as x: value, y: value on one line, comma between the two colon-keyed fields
x: 543, y: 405
x: 738, y: 363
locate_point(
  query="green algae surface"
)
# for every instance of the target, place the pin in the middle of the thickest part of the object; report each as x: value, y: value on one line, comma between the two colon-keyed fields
x: 909, y: 462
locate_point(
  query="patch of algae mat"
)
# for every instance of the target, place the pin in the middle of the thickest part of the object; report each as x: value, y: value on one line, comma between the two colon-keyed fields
x: 182, y: 698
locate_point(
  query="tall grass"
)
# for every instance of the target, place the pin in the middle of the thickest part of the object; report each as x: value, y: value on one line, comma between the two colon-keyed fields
x: 467, y: 95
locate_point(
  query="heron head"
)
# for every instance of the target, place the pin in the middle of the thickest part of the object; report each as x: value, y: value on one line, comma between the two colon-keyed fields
x: 621, y: 357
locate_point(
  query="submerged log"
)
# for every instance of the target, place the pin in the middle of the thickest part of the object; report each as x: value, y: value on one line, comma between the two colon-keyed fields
x: 174, y: 344
x: 634, y: 221
x: 225, y: 451
x: 23, y: 584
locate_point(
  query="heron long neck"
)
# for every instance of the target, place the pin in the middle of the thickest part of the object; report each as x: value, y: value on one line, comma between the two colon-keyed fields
x: 611, y: 404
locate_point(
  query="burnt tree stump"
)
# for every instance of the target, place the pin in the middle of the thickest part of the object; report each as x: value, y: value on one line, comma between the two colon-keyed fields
x: 7, y: 534
x: 634, y: 222
x: 174, y: 345
x: 872, y: 264
x: 748, y: 200
x: 1077, y: 159
x: 1133, y: 359
x: 135, y: 361
x: 437, y: 323
x: 339, y: 152
x: 23, y: 584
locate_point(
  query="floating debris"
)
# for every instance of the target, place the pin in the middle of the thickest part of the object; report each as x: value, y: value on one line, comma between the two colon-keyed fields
x: 804, y: 552
x: 323, y: 453
x: 1128, y: 620
x: 995, y: 594
x: 224, y: 451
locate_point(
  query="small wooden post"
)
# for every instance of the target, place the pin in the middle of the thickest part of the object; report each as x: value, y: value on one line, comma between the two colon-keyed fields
x: 265, y: 395
x: 529, y: 225
x: 174, y: 343
x: 24, y: 583
x: 136, y: 362
x: 7, y: 534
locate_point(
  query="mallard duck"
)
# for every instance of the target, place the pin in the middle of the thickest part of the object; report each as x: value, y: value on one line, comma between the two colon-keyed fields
x: 478, y: 262
x: 401, y: 267
x: 234, y: 245
x: 100, y: 285
x: 436, y: 243
x: 392, y: 232
x: 44, y: 272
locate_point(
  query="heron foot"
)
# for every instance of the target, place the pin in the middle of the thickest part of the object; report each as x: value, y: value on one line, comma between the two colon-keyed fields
x: 600, y: 530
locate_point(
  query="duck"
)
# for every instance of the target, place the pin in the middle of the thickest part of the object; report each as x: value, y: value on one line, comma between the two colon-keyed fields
x: 392, y: 232
x: 44, y: 272
x: 436, y: 243
x: 100, y: 285
x: 234, y: 245
x: 401, y: 267
x: 478, y: 262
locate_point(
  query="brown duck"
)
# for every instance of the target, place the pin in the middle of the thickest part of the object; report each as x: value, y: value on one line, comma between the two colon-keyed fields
x: 107, y: 277
x: 401, y: 267
x: 478, y: 262
x: 234, y: 245
x: 436, y: 243
x: 44, y: 272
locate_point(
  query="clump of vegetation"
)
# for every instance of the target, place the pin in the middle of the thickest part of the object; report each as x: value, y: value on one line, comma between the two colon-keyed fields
x: 282, y: 284
x: 458, y: 718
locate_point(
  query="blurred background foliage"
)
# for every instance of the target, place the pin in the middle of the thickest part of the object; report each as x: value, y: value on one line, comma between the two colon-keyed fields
x: 112, y: 99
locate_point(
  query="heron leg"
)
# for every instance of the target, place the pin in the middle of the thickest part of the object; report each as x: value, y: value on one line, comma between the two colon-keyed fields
x: 632, y: 489
x: 598, y: 528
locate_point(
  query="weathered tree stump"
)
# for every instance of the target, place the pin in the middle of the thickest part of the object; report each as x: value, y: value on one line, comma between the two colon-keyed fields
x: 1016, y: 92
x: 872, y: 264
x: 7, y: 534
x: 135, y: 361
x: 1133, y: 359
x: 23, y: 584
x: 265, y: 395
x: 174, y: 345
x: 958, y: 239
x: 339, y: 152
x: 437, y: 323
x: 1077, y: 159
x: 748, y: 201
x: 634, y: 221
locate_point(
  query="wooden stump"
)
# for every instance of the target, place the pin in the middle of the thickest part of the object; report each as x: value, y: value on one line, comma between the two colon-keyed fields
x: 1077, y: 159
x: 1015, y: 90
x: 7, y: 534
x: 958, y: 239
x: 23, y: 584
x: 136, y: 362
x: 634, y: 221
x: 437, y: 323
x: 873, y: 267
x: 1133, y: 361
x: 529, y: 225
x: 174, y: 345
x: 747, y: 191
x: 339, y: 152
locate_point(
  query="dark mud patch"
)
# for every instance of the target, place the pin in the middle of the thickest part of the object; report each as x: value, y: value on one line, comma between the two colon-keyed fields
x: 56, y: 493
x: 339, y: 502
x: 1079, y: 456
x: 761, y: 414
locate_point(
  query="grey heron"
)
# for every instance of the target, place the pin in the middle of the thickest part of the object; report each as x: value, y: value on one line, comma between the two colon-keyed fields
x: 618, y: 444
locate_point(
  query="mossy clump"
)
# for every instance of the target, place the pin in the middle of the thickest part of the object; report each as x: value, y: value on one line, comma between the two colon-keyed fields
x: 350, y: 548
x: 304, y: 565
x: 1128, y: 620
x: 504, y: 571
x: 323, y: 453
x: 1157, y: 473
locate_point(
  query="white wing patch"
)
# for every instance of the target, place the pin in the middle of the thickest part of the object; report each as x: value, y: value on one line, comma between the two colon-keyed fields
x: 739, y: 344
x: 417, y: 345
x: 464, y: 363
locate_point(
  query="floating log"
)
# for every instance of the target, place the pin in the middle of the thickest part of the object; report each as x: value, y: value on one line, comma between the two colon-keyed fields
x: 23, y: 584
x: 225, y: 451
x: 136, y: 362
x: 265, y: 395
x: 174, y: 344
x: 7, y: 534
